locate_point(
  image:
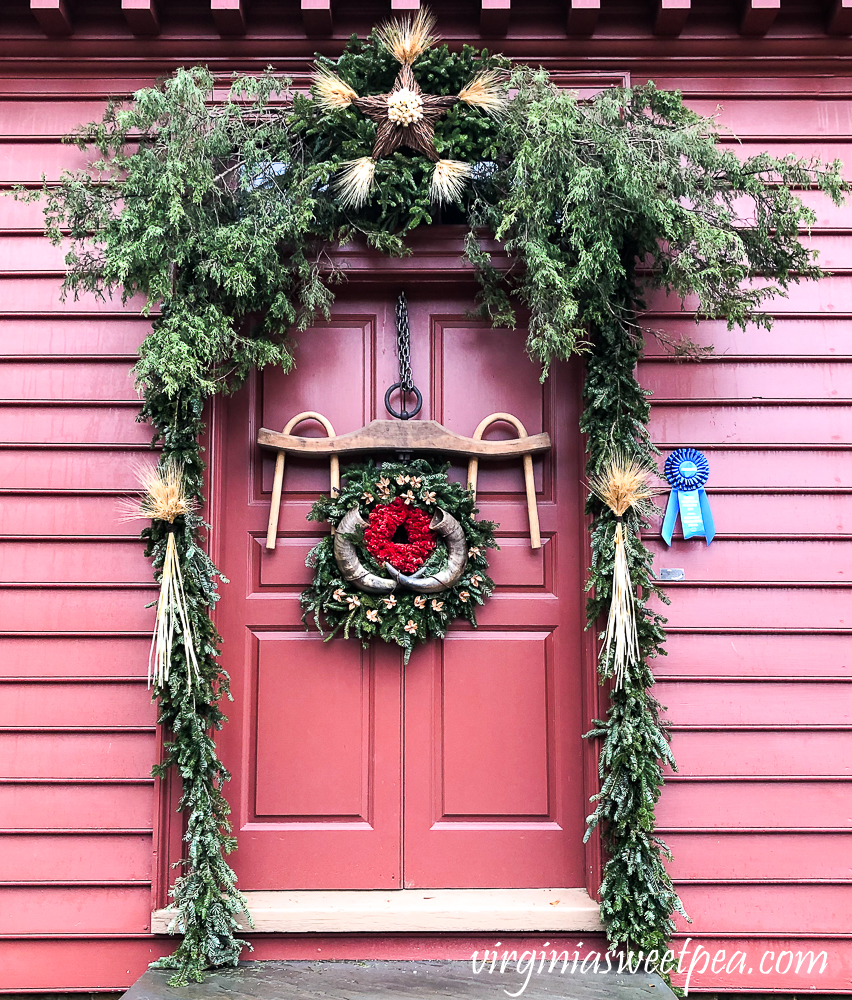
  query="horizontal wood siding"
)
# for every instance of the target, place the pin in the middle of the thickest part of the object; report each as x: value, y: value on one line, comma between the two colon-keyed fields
x: 77, y: 727
x: 758, y: 680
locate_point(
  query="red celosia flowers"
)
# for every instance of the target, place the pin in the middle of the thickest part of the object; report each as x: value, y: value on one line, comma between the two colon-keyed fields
x: 385, y: 522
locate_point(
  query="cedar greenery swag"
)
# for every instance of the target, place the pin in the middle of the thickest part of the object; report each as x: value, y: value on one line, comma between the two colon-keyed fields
x: 219, y: 208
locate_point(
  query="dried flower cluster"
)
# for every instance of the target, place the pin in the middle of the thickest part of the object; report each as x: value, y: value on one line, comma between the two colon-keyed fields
x: 405, y: 107
x: 387, y: 520
x: 394, y: 496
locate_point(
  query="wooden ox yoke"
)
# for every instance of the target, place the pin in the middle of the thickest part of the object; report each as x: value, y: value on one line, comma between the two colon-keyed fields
x: 405, y: 436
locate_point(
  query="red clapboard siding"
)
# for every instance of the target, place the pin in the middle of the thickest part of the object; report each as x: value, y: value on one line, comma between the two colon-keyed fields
x: 834, y: 252
x: 95, y: 561
x: 697, y: 803
x: 770, y: 559
x: 78, y: 858
x: 21, y: 215
x: 36, y: 515
x: 767, y: 752
x: 81, y: 468
x: 758, y: 702
x: 41, y: 294
x: 88, y: 608
x: 759, y: 606
x: 749, y: 705
x: 82, y: 378
x: 109, y: 341
x: 27, y: 161
x: 734, y: 856
x: 76, y: 909
x: 749, y: 380
x: 820, y: 514
x: 820, y: 337
x: 730, y: 423
x: 804, y: 117
x: 77, y: 727
x: 774, y: 909
x: 77, y: 755
x: 759, y: 963
x: 56, y: 703
x: 70, y: 422
x: 26, y: 253
x: 98, y: 806
x: 756, y: 655
x: 830, y: 294
x: 68, y: 657
x: 100, y: 962
x: 47, y: 118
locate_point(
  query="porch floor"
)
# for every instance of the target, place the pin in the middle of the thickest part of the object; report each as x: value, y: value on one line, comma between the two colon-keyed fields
x: 399, y: 980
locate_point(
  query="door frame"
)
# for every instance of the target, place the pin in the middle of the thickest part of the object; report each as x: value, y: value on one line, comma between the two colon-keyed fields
x: 436, y: 260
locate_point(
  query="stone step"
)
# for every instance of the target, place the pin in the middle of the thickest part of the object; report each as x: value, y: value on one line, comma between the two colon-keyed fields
x: 402, y: 981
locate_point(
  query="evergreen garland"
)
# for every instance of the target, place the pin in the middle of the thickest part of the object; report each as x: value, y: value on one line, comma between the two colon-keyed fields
x: 205, y: 895
x: 221, y: 214
x: 402, y: 617
x: 637, y: 895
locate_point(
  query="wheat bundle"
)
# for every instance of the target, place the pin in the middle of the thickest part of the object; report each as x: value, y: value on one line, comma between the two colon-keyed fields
x: 487, y: 92
x: 165, y: 499
x: 406, y: 39
x: 354, y: 182
x: 448, y: 180
x: 332, y: 92
x: 622, y: 484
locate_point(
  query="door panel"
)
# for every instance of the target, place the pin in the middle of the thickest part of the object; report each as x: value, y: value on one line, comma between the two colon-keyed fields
x: 494, y: 722
x: 493, y: 790
x: 315, y: 738
x: 314, y: 730
x: 486, y: 725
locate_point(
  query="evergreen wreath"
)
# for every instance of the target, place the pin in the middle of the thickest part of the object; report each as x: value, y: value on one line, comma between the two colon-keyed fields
x: 398, y: 500
x: 220, y: 215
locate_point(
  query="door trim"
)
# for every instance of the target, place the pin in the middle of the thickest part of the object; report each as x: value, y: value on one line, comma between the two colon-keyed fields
x: 418, y: 910
x: 438, y: 260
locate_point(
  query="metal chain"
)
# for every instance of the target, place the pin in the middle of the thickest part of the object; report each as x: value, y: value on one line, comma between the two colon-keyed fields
x: 403, y: 344
x: 405, y: 384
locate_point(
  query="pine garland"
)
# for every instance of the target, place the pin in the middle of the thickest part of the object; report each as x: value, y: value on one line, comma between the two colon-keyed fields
x: 221, y: 216
x: 206, y: 899
x: 637, y: 895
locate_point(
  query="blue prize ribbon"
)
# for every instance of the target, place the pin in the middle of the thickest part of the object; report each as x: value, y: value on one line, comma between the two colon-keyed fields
x: 687, y: 470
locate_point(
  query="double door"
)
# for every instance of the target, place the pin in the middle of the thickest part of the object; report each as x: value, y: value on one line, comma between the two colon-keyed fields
x: 464, y: 768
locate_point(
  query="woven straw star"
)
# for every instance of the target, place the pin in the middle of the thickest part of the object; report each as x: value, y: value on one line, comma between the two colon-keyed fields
x: 406, y: 116
x: 409, y: 121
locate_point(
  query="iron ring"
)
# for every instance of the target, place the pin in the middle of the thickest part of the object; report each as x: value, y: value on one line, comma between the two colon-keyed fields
x: 403, y: 414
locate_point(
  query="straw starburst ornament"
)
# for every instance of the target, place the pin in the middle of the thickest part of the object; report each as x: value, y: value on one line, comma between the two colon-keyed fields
x: 406, y: 116
x: 623, y: 483
x: 164, y: 498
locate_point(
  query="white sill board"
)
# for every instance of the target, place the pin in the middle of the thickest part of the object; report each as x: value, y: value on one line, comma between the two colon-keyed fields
x: 413, y: 910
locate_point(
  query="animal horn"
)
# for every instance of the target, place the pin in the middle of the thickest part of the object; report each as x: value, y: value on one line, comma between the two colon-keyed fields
x: 347, y: 559
x: 448, y: 527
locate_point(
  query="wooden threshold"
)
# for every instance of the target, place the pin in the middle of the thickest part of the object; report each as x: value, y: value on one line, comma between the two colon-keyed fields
x: 414, y: 910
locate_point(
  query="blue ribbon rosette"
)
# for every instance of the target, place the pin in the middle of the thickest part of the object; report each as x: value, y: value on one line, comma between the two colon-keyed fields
x: 687, y: 471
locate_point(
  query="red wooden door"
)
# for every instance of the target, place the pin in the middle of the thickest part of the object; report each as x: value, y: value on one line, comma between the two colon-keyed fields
x: 463, y: 769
